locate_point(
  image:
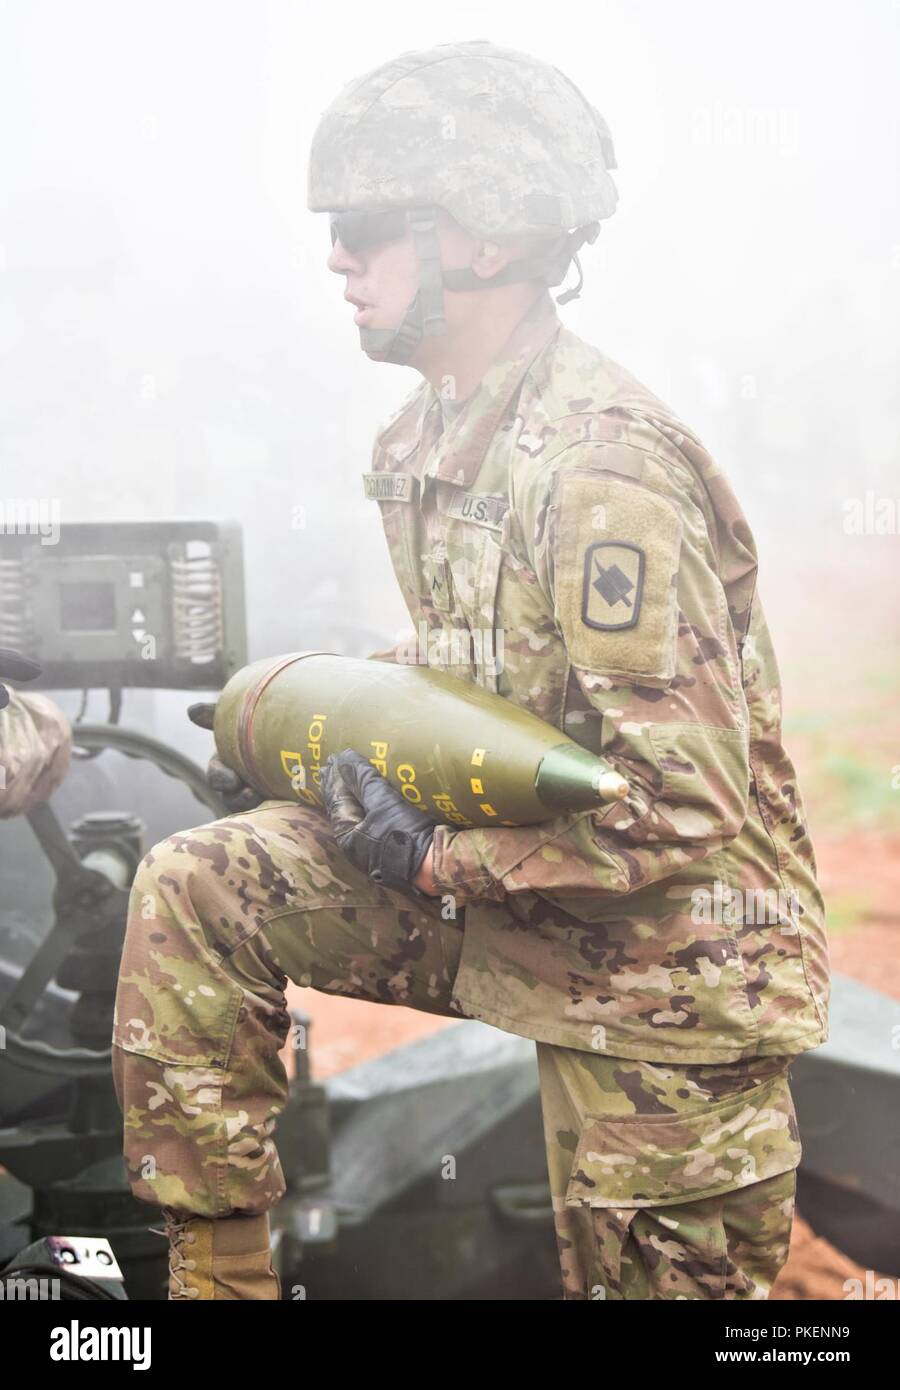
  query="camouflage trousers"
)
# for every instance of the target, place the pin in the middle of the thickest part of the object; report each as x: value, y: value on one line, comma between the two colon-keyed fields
x: 667, y: 1181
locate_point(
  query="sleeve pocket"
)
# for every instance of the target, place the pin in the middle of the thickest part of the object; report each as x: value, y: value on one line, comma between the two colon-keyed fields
x: 707, y: 768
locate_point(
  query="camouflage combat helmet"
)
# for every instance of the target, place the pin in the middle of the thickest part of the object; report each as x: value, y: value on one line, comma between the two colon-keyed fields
x: 502, y: 141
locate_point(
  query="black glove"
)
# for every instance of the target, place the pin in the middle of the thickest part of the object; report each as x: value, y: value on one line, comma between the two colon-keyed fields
x: 17, y: 668
x: 230, y: 786
x: 377, y: 830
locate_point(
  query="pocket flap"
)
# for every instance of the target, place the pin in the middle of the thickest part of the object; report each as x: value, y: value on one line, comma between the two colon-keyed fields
x: 658, y: 1160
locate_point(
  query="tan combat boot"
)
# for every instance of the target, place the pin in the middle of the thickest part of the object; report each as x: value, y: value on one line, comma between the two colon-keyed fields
x: 226, y: 1259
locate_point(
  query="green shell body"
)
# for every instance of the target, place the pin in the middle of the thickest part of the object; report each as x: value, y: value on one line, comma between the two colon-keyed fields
x: 460, y: 753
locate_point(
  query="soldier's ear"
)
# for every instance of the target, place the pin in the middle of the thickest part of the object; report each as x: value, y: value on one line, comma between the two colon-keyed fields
x: 490, y: 257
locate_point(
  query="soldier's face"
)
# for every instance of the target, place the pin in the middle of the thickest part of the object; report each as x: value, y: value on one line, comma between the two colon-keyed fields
x: 381, y: 279
x: 382, y: 275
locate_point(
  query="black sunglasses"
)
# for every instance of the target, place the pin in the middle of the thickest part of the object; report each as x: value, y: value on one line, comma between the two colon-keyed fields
x: 358, y: 230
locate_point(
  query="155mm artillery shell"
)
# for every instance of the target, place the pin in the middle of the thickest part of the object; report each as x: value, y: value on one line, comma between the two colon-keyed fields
x: 464, y: 755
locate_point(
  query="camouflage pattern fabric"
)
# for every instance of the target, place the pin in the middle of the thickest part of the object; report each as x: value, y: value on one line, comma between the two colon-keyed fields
x: 220, y: 918
x: 568, y: 518
x: 666, y: 953
x: 35, y: 752
x: 504, y: 142
x: 223, y: 915
x: 669, y: 1182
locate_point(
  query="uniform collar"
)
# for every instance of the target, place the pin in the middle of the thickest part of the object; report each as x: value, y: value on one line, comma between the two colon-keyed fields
x: 459, y: 452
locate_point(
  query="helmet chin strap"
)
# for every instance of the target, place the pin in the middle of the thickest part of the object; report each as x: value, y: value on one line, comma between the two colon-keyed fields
x: 424, y: 318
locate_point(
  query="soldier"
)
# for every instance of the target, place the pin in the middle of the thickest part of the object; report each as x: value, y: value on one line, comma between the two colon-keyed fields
x: 666, y: 953
x: 35, y: 740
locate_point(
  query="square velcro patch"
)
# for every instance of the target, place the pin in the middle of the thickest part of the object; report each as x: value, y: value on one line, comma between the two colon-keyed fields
x: 616, y: 564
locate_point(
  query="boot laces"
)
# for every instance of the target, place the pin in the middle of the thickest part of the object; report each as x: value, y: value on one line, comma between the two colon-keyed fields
x: 176, y: 1229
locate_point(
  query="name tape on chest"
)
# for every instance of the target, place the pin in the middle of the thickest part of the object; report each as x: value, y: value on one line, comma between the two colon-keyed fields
x: 388, y: 487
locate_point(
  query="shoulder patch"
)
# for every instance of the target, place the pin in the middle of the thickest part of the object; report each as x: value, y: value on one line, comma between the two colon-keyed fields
x: 617, y: 551
x: 613, y: 585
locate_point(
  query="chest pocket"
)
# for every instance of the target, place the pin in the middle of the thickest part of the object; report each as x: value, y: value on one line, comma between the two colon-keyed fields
x: 473, y: 528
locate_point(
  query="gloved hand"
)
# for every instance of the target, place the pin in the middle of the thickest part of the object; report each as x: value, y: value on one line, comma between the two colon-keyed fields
x: 223, y: 779
x: 377, y: 830
x: 17, y: 668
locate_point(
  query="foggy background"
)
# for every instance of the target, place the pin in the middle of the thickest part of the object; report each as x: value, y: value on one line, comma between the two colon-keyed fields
x: 173, y: 345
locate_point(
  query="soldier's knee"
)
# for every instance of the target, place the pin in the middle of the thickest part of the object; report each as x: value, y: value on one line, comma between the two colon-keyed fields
x: 148, y: 890
x: 168, y: 874
x: 178, y: 854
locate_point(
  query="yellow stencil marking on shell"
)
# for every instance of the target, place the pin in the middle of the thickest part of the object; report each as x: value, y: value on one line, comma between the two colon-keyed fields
x: 487, y: 809
x: 475, y: 784
x: 616, y: 585
x: 290, y: 767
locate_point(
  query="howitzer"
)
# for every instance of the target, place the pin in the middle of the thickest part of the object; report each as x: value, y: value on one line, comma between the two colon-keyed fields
x: 460, y: 753
x: 121, y: 606
x: 366, y: 1213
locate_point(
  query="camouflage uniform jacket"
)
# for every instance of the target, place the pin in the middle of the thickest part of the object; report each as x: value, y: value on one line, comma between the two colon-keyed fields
x: 35, y: 752
x: 567, y: 511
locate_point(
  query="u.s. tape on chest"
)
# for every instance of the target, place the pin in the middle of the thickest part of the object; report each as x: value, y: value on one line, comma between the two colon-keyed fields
x: 616, y: 564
